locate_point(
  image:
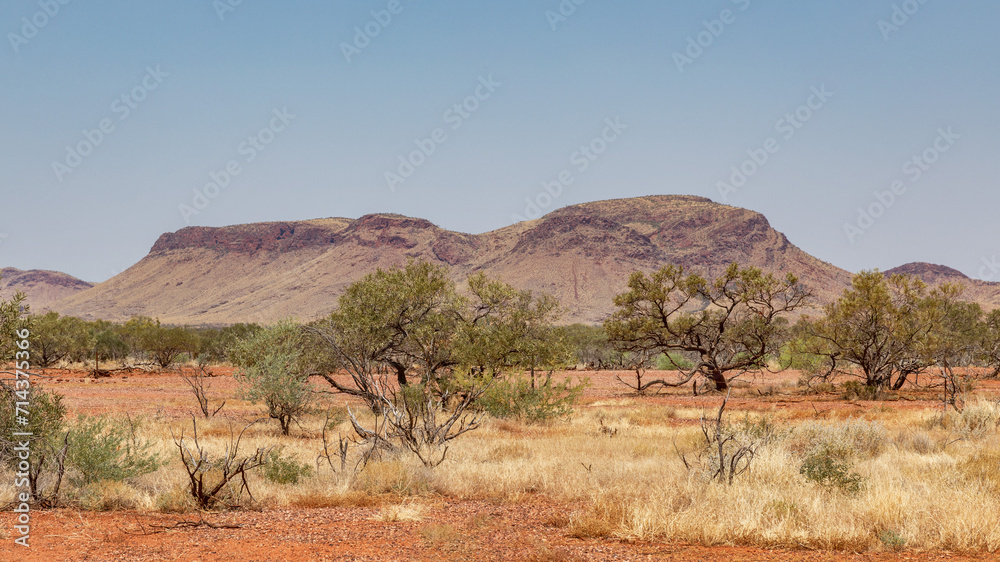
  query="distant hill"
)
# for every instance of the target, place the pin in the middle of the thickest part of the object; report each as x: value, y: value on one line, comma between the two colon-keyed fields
x: 581, y: 254
x: 986, y: 293
x: 41, y: 287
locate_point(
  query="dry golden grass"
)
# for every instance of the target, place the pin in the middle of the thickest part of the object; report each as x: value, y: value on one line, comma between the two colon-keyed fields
x: 931, y: 480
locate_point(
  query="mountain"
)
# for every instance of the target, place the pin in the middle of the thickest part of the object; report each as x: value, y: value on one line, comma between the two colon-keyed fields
x: 581, y: 254
x: 986, y: 293
x: 41, y: 287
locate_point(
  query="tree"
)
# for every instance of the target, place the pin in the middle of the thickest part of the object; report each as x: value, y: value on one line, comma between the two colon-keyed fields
x: 160, y: 344
x: 880, y: 326
x: 214, y: 343
x: 419, y: 354
x: 732, y: 324
x: 989, y: 347
x: 272, y: 370
x: 402, y: 319
x: 47, y: 440
x: 55, y: 338
x: 106, y: 344
x: 954, y: 340
x: 502, y: 328
x: 11, y: 320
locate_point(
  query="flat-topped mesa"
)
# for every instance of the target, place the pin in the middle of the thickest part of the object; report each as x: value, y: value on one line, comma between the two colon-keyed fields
x: 376, y: 230
x: 250, y: 238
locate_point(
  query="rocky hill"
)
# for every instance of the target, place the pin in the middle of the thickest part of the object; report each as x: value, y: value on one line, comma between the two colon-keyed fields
x: 41, y: 287
x: 581, y: 254
x: 986, y: 293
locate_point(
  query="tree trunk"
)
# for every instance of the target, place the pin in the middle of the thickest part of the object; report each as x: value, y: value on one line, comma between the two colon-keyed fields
x: 721, y: 384
x: 400, y: 372
x: 900, y: 381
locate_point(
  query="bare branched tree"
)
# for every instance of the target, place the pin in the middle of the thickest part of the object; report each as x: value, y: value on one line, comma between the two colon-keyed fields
x: 199, y: 387
x: 726, y: 453
x: 210, y: 478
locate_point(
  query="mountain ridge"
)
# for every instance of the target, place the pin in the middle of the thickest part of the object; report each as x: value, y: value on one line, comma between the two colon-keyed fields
x: 581, y: 254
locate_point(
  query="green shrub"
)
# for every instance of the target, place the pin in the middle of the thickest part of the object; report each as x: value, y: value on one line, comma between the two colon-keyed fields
x: 827, y: 468
x: 514, y: 397
x: 106, y: 448
x: 892, y: 540
x: 47, y: 441
x: 672, y: 362
x: 282, y: 470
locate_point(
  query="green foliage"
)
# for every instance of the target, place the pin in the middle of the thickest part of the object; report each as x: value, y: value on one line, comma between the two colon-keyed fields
x: 282, y: 470
x: 589, y: 346
x: 989, y: 343
x: 733, y: 323
x: 106, y: 343
x: 673, y: 361
x: 272, y: 370
x: 880, y: 326
x: 214, y: 343
x: 442, y: 348
x: 827, y: 468
x: 45, y: 423
x: 11, y: 321
x: 892, y: 540
x: 56, y: 338
x: 107, y: 448
x: 163, y: 345
x: 47, y: 440
x: 515, y: 397
x: 796, y: 353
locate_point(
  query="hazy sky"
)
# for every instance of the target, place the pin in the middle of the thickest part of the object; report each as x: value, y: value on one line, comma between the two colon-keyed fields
x: 115, y: 112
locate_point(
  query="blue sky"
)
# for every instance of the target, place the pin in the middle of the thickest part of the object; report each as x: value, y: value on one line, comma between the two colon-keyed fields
x: 184, y: 92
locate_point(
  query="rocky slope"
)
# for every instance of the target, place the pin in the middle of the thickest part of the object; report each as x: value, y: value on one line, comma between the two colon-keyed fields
x: 581, y: 254
x: 41, y: 287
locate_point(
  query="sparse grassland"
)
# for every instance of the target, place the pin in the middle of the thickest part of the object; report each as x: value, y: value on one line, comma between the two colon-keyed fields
x: 827, y: 474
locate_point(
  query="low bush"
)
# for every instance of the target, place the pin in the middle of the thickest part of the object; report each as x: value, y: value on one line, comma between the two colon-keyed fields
x: 284, y: 470
x: 515, y: 397
x: 826, y: 467
x: 107, y: 449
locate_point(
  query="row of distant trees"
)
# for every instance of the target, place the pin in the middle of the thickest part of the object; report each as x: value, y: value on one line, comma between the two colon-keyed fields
x: 887, y: 330
x: 141, y: 341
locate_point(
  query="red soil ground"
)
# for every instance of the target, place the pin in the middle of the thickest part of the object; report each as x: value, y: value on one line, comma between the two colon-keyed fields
x: 450, y: 530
